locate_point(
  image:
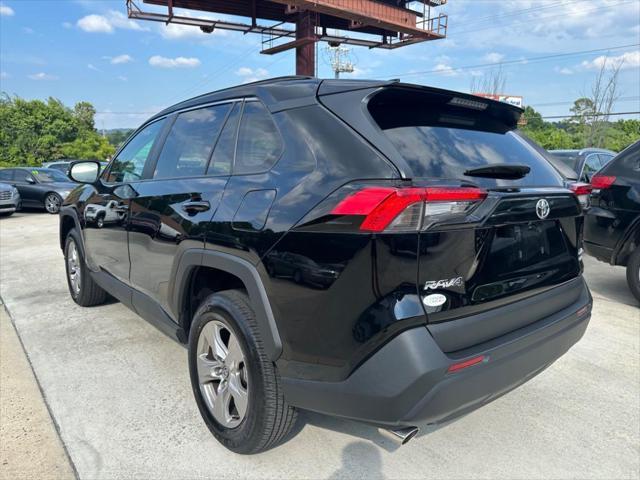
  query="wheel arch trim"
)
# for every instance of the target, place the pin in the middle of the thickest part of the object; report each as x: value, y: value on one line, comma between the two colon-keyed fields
x: 247, y: 273
x: 70, y: 212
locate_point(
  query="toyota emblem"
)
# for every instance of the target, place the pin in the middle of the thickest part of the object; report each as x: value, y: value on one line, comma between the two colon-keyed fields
x: 542, y: 209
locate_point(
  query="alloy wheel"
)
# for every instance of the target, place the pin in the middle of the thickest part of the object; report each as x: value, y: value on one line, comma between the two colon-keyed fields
x: 222, y: 374
x: 73, y: 267
x: 52, y: 203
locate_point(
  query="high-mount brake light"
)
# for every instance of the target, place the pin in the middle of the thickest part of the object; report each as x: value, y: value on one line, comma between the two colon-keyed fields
x: 404, y: 209
x: 601, y: 182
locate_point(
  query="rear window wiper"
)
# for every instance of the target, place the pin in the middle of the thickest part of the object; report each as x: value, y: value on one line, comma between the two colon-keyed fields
x: 506, y: 171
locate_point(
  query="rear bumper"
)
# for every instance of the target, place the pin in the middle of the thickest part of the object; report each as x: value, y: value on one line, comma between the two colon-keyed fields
x: 406, y: 382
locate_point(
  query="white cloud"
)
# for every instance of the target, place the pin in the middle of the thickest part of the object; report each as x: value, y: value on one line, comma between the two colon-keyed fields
x: 563, y: 70
x: 28, y: 31
x: 252, y: 74
x: 178, y: 62
x: 493, y: 57
x: 122, y: 78
x: 6, y: 11
x: 444, y: 69
x: 93, y: 67
x: 121, y: 59
x: 4, y: 75
x: 107, y: 23
x: 626, y: 60
x: 95, y: 24
x: 42, y: 76
x: 67, y: 24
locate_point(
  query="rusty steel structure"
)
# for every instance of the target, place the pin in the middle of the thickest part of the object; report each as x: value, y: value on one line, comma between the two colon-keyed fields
x: 300, y: 24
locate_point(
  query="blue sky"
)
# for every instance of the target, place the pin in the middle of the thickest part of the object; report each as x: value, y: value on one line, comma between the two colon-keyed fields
x: 88, y: 50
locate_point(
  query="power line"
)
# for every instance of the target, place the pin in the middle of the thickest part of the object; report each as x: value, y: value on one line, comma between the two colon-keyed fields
x: 524, y: 21
x: 589, y: 115
x: 553, y: 104
x: 509, y: 62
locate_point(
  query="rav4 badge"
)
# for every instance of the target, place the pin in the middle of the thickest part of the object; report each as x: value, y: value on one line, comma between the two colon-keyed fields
x: 446, y: 283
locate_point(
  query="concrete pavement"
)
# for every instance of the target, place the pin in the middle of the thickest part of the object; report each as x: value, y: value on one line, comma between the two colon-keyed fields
x: 119, y: 391
x: 30, y: 446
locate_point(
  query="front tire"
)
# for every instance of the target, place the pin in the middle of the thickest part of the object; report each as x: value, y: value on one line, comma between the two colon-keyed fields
x: 84, y: 291
x: 633, y: 273
x: 236, y: 386
x: 52, y: 202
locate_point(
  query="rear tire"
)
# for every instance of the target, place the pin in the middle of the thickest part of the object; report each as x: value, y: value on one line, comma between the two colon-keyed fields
x: 84, y: 291
x: 264, y: 418
x: 633, y: 273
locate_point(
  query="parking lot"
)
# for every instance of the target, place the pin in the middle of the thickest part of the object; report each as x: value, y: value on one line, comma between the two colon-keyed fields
x: 119, y: 394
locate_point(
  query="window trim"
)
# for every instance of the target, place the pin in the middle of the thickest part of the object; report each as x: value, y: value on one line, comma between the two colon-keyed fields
x: 164, y: 134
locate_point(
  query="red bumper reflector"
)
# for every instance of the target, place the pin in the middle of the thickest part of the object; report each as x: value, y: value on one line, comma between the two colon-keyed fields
x: 467, y: 363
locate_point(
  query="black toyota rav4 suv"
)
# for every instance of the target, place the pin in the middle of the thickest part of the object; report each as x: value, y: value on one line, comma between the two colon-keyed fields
x: 378, y: 251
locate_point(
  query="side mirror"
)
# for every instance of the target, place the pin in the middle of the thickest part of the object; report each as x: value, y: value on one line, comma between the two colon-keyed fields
x: 30, y: 180
x: 84, y: 172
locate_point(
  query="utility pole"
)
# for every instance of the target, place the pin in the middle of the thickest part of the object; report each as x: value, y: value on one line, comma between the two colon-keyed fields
x: 340, y: 59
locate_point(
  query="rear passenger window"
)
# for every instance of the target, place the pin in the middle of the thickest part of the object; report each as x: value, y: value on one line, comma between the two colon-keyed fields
x: 189, y: 145
x: 259, y: 142
x: 6, y: 174
x: 223, y: 153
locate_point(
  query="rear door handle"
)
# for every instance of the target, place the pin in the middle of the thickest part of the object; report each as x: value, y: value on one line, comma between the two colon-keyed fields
x: 193, y: 207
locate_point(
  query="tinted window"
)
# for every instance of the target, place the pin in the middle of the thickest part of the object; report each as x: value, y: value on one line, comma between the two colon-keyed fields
x: 445, y: 152
x: 62, y: 167
x: 129, y: 164
x: 604, y: 158
x: 222, y: 158
x: 6, y: 174
x: 259, y: 143
x: 591, y: 166
x: 21, y: 176
x: 49, y: 176
x: 626, y: 163
x: 188, y: 146
x: 570, y: 159
x: 438, y: 139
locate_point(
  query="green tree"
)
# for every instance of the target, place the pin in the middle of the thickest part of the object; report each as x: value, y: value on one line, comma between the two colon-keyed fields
x: 34, y: 131
x: 84, y: 113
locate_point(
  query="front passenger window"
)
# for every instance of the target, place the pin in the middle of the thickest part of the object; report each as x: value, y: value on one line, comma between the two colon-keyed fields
x: 130, y: 162
x: 591, y: 166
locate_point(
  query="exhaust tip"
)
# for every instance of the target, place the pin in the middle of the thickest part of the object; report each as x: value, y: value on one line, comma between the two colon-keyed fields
x: 400, y: 436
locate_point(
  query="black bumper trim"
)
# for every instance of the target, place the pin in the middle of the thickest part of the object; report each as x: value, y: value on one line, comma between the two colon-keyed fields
x: 406, y: 381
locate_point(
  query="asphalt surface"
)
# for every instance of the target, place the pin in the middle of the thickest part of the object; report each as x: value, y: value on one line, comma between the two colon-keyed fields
x: 119, y: 393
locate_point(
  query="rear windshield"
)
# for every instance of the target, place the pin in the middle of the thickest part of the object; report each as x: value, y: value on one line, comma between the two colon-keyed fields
x: 438, y: 140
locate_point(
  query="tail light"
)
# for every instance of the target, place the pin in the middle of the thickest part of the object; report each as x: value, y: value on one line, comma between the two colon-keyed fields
x: 406, y: 209
x: 601, y: 182
x: 582, y: 191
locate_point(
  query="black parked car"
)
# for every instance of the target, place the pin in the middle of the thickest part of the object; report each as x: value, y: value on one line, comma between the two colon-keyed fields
x: 441, y: 252
x: 612, y: 226
x: 585, y: 162
x: 39, y: 187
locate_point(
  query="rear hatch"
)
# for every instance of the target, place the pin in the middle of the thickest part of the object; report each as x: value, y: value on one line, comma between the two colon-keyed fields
x: 494, y: 222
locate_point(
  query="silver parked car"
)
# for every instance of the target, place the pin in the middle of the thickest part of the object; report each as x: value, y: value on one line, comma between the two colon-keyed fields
x: 9, y: 199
